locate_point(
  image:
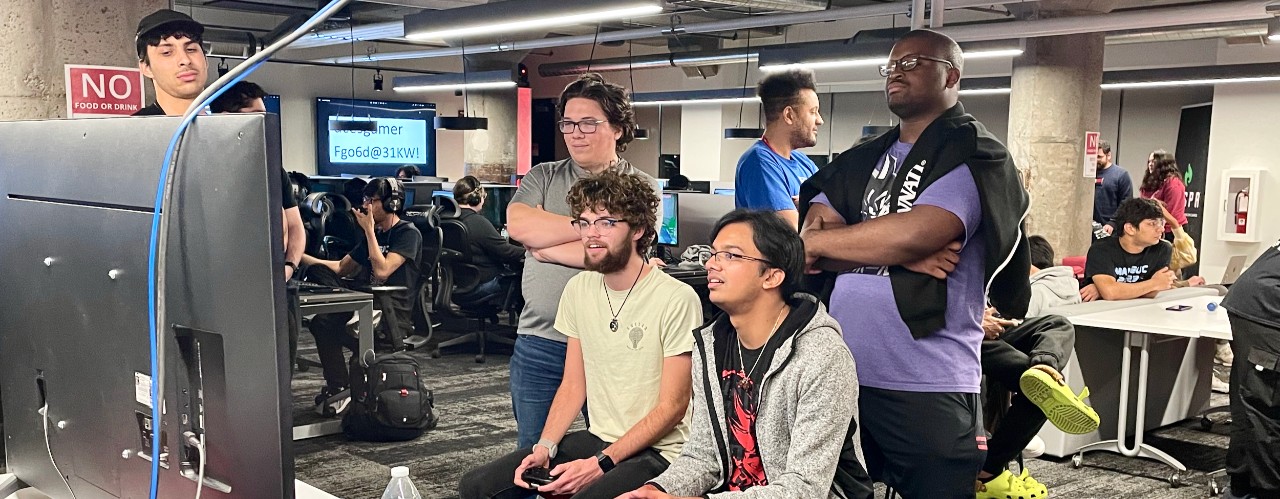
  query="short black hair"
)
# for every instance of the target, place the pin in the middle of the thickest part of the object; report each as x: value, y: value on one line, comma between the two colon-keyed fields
x: 612, y: 98
x: 678, y: 182
x: 237, y: 97
x: 154, y: 37
x: 778, y: 242
x: 1104, y: 146
x: 1136, y: 210
x: 782, y: 89
x: 380, y: 188
x: 410, y: 170
x: 1041, y: 252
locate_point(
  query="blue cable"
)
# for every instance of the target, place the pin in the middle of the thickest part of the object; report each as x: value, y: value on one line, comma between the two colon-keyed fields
x: 154, y: 248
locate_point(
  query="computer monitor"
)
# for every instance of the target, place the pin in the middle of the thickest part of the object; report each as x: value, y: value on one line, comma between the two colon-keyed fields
x: 448, y: 194
x: 724, y: 191
x: 497, y: 198
x: 409, y: 197
x: 703, y: 186
x: 669, y: 232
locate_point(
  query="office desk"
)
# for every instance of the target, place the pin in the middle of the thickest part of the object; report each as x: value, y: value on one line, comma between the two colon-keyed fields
x: 1142, y: 325
x: 327, y: 303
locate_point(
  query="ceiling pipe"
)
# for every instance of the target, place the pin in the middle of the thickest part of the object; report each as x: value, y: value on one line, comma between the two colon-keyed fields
x: 774, y: 5
x: 661, y: 31
x: 917, y: 14
x: 1216, y: 12
x: 937, y: 13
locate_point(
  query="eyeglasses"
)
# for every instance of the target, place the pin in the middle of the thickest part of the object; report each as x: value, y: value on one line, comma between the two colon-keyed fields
x: 727, y: 256
x: 909, y: 63
x: 584, y: 126
x: 602, y: 224
x: 1158, y: 223
x: 368, y: 200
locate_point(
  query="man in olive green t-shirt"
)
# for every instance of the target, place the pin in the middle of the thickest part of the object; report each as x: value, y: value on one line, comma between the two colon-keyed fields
x: 630, y: 334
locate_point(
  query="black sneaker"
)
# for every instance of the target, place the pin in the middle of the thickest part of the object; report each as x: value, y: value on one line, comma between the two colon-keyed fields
x: 332, y: 401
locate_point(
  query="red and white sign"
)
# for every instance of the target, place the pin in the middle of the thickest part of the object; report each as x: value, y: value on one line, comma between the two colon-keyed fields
x: 1091, y: 154
x: 103, y: 91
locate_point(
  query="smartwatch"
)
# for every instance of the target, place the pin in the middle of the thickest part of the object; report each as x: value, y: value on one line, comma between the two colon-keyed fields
x: 293, y: 266
x: 605, y: 462
x: 550, y: 446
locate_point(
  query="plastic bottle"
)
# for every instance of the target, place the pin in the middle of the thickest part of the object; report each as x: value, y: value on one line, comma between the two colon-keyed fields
x: 401, y: 487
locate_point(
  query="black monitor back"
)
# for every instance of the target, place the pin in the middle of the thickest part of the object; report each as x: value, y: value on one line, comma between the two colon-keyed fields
x: 73, y: 304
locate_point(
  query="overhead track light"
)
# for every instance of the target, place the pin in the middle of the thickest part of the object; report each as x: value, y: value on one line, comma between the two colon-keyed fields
x: 481, y: 80
x: 520, y: 15
x: 847, y: 54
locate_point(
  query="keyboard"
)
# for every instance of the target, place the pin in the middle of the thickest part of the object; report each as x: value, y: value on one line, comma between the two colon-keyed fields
x: 313, y: 288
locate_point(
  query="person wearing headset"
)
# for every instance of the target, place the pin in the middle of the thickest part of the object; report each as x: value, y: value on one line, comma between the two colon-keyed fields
x: 394, y: 264
x: 489, y: 251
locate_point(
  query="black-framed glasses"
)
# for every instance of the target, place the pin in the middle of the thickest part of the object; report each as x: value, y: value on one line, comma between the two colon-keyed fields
x: 584, y: 126
x: 602, y: 224
x: 909, y: 63
x: 729, y: 256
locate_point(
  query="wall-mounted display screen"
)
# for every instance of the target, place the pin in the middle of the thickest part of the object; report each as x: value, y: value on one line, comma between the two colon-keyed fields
x: 404, y: 135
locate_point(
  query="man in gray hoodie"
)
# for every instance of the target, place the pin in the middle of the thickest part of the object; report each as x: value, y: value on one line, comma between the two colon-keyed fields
x: 774, y: 387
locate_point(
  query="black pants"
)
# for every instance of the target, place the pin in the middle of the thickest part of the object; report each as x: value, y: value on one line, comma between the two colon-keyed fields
x: 330, y: 330
x: 924, y: 445
x: 1253, y: 457
x: 496, y: 479
x: 1046, y: 340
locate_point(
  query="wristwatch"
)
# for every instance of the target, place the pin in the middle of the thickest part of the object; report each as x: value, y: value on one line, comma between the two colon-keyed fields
x: 550, y: 446
x: 291, y: 265
x: 606, y: 462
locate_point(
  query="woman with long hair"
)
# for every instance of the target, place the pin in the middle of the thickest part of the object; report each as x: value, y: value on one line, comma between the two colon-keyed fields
x: 1163, y: 183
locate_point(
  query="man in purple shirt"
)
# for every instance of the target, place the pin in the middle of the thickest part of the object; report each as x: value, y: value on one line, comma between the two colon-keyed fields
x: 914, y: 244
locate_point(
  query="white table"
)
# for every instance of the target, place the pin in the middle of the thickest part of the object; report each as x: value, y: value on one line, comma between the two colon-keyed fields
x: 12, y: 488
x: 1140, y: 324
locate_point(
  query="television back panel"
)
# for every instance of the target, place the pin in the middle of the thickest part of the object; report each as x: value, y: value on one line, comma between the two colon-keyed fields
x: 73, y: 305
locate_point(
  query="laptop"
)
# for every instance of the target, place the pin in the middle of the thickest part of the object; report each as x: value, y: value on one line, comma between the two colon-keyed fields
x: 1235, y: 266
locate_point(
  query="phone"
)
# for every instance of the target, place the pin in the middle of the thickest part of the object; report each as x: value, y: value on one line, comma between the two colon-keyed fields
x: 537, y: 476
x: 1178, y: 308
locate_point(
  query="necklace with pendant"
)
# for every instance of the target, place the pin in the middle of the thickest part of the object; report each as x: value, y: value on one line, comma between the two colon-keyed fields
x: 613, y: 324
x: 745, y: 382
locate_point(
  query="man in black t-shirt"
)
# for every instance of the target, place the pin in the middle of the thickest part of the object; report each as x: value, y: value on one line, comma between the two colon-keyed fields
x: 394, y: 263
x: 1253, y: 307
x: 1134, y: 262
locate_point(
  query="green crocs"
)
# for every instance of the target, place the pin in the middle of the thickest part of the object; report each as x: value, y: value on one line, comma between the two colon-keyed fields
x: 1064, y: 409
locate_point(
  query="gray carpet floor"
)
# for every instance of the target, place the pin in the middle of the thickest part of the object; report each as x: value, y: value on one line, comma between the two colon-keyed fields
x: 476, y: 426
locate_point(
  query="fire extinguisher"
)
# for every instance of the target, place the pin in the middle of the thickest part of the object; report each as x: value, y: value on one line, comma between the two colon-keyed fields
x: 1242, y: 210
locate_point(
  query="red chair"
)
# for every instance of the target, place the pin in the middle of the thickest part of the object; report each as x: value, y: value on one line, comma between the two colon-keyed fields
x: 1076, y: 263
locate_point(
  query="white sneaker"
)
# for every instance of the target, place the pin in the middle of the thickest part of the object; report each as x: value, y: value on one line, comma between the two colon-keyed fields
x: 1222, y: 354
x: 1034, y: 449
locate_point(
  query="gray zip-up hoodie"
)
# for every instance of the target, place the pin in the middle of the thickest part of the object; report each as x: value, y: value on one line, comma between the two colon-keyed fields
x: 807, y: 404
x: 1052, y: 287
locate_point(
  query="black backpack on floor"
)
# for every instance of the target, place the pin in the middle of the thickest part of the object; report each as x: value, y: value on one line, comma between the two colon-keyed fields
x: 388, y: 401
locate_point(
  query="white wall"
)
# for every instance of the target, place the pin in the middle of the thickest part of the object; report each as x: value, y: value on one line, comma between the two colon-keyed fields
x: 1147, y: 120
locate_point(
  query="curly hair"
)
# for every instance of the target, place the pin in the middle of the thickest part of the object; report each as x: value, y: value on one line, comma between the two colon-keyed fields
x: 625, y: 196
x: 1164, y: 166
x: 612, y: 98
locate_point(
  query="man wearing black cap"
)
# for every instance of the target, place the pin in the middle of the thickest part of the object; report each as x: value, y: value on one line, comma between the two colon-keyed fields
x: 169, y: 53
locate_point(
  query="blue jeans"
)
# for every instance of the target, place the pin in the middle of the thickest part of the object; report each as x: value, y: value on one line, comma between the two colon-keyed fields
x: 537, y: 365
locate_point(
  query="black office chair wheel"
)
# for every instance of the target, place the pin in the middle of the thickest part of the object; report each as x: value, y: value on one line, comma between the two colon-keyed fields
x: 1175, y: 480
x: 1206, y: 423
x: 479, y: 359
x: 1077, y: 461
x: 435, y: 353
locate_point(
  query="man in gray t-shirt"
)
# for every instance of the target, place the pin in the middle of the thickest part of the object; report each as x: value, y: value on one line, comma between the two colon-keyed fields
x: 596, y: 123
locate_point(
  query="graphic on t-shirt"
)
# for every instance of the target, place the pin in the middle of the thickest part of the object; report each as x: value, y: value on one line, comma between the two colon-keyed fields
x: 1131, y: 274
x: 876, y: 202
x: 634, y: 335
x: 744, y: 452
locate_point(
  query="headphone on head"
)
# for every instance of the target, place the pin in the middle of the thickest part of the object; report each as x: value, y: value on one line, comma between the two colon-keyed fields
x: 393, y: 198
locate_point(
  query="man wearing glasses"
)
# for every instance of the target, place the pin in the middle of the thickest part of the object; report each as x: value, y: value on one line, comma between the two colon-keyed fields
x: 597, y: 123
x: 775, y: 392
x: 630, y: 330
x: 910, y: 229
x: 1134, y: 261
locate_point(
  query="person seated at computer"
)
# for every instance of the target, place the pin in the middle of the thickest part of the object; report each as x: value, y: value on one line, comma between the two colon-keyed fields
x: 394, y: 263
x: 630, y: 334
x: 407, y: 172
x: 490, y: 252
x: 784, y: 438
x: 1133, y: 262
x: 1027, y: 359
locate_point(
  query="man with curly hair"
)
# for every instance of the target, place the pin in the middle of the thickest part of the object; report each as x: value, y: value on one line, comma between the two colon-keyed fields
x: 630, y: 334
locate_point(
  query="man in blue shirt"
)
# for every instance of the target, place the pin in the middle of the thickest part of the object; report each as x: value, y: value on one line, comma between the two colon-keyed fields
x: 1111, y: 186
x: 770, y: 172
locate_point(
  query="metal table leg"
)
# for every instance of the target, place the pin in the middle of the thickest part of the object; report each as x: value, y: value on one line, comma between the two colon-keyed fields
x: 1142, y: 342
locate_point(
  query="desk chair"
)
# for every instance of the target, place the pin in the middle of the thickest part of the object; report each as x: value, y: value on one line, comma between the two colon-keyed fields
x: 459, y: 280
x: 427, y: 219
x: 331, y: 230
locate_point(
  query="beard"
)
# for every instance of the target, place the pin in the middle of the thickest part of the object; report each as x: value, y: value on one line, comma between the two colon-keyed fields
x: 614, y: 260
x: 801, y: 139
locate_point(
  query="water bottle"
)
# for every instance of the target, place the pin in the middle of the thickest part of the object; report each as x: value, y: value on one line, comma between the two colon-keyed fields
x: 401, y: 487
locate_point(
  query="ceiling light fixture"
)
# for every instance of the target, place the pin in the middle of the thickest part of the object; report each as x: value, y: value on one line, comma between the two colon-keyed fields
x: 519, y: 15
x: 985, y: 91
x: 819, y: 56
x: 483, y: 80
x: 717, y: 96
x: 1185, y: 83
x: 739, y: 132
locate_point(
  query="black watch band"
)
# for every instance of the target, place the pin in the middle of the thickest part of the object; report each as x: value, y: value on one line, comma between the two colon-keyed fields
x: 606, y: 462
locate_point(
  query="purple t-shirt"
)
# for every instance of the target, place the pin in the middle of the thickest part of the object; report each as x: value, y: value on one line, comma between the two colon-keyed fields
x: 888, y: 357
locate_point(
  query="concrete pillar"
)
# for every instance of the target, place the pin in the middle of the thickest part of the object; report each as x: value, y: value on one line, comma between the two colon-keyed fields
x: 37, y: 37
x: 490, y: 155
x: 1056, y: 98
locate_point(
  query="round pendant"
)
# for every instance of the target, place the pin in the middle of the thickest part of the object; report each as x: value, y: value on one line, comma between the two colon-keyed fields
x: 744, y: 383
x: 613, y: 325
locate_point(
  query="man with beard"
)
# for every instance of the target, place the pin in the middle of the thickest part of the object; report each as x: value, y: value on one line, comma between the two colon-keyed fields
x: 912, y: 227
x: 629, y: 329
x: 770, y: 172
x: 775, y: 392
